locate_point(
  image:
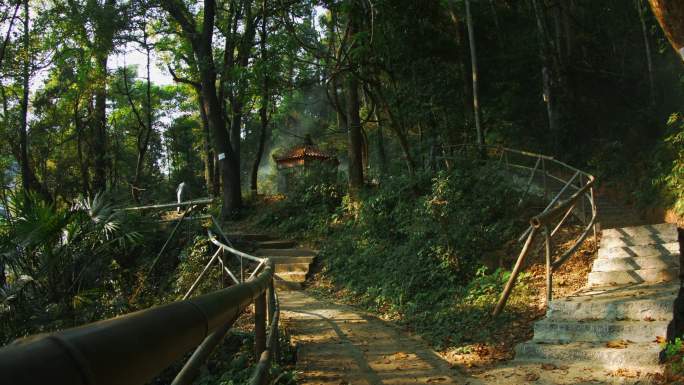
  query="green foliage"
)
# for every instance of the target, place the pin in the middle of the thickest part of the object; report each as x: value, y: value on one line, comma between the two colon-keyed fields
x: 309, y: 196
x: 61, y: 263
x: 673, y: 179
x: 673, y: 355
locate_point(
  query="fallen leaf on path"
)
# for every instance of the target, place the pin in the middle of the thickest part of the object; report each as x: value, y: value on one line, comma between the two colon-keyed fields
x: 531, y: 376
x: 549, y: 366
x: 436, y: 379
x: 617, y: 344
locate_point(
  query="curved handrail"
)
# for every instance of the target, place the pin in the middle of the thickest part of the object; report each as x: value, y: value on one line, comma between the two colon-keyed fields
x: 557, y: 207
x: 136, y: 347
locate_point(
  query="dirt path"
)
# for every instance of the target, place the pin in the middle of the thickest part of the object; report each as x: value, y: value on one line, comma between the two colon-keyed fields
x: 338, y: 345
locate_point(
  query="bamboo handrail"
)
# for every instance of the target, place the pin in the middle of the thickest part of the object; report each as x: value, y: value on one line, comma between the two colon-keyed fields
x: 557, y: 207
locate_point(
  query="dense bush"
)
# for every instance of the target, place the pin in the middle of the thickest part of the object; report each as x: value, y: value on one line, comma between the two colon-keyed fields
x: 62, y: 263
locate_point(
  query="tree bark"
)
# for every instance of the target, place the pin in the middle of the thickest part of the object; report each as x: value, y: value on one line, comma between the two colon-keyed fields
x: 473, y: 65
x: 670, y: 15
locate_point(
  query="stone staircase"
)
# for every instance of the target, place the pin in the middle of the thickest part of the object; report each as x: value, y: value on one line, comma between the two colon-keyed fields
x: 291, y: 263
x: 628, y: 304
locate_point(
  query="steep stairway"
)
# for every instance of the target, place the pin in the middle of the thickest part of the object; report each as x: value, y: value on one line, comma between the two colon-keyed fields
x: 628, y: 304
x: 291, y: 263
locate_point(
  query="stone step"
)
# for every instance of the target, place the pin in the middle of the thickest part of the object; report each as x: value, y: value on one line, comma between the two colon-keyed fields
x: 636, y: 263
x: 285, y: 260
x: 628, y: 305
x: 636, y: 356
x: 300, y: 267
x: 671, y: 249
x: 564, y: 331
x: 287, y: 285
x: 292, y: 276
x: 613, y: 278
x: 248, y: 237
x: 276, y: 244
x: 286, y: 253
x: 635, y: 241
x: 662, y: 230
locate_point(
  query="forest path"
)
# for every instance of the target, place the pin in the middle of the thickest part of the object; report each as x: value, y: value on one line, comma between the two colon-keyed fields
x: 337, y: 345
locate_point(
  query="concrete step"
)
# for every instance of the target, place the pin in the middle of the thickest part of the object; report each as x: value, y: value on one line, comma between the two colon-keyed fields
x: 292, y: 277
x: 635, y: 263
x: 671, y: 249
x: 276, y: 244
x: 642, y: 356
x: 299, y: 267
x: 283, y: 260
x: 659, y: 306
x: 635, y: 241
x: 564, y: 331
x: 613, y: 278
x: 662, y: 230
x: 286, y: 253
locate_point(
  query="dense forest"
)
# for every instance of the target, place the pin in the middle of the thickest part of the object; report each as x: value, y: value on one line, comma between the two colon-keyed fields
x: 378, y: 83
x: 113, y: 103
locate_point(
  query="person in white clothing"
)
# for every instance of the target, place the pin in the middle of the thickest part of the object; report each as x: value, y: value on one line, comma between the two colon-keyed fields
x: 179, y: 194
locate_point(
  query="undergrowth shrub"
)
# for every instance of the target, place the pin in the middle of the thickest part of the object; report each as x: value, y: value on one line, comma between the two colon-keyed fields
x: 306, y: 208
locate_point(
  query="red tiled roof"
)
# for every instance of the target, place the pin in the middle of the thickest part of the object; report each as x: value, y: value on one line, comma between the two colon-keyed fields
x: 304, y: 151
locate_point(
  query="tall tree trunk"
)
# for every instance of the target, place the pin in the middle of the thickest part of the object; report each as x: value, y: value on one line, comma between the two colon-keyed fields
x: 355, y: 136
x: 100, y: 124
x: 463, y: 72
x: 552, y: 78
x: 353, y: 106
x: 3, y: 47
x: 144, y: 126
x: 265, y: 95
x: 670, y: 15
x: 201, y: 42
x: 209, y: 178
x: 26, y: 173
x: 473, y: 65
x: 641, y: 8
x: 83, y: 165
x: 382, y: 155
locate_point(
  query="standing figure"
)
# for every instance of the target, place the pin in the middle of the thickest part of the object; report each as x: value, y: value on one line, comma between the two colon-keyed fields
x: 179, y: 194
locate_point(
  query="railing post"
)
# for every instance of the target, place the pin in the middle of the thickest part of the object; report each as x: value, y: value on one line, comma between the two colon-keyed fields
x: 242, y: 271
x: 549, y: 272
x: 260, y: 324
x: 514, y: 274
x: 546, y: 190
x: 581, y: 200
x: 593, y: 214
x: 271, y: 313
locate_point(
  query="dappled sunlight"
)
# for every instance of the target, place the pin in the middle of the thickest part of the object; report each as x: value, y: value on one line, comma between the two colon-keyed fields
x: 338, y: 345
